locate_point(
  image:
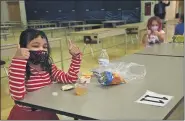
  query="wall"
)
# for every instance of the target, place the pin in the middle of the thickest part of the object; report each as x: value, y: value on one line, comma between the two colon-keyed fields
x: 143, y: 17
x: 181, y: 7
x: 23, y: 13
x: 4, y: 12
x: 81, y: 10
x: 171, y: 10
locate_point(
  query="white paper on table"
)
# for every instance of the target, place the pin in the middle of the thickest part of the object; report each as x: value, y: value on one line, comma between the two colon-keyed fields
x: 159, y: 101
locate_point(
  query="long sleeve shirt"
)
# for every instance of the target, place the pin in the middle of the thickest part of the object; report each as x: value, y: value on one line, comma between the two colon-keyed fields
x: 38, y: 79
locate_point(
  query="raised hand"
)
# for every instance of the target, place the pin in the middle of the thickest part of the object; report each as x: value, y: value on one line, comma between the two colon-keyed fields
x: 156, y: 33
x: 73, y: 49
x: 22, y: 53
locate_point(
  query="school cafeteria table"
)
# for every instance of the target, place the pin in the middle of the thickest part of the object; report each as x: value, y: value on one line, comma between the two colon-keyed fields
x: 86, y: 26
x: 139, y: 26
x: 164, y: 49
x: 70, y: 23
x: 10, y: 24
x: 101, y: 33
x: 164, y: 75
x: 133, y: 25
x: 51, y: 29
x: 114, y: 22
x: 4, y: 35
x: 38, y: 25
x: 38, y: 22
x: 6, y: 28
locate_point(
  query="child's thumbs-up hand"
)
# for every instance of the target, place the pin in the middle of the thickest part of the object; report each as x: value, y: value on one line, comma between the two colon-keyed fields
x: 73, y: 49
x: 22, y: 53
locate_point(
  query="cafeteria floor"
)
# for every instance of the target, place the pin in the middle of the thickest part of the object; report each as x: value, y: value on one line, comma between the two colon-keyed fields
x: 114, y: 47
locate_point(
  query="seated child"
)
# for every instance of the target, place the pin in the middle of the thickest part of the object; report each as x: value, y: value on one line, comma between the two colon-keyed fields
x: 32, y: 69
x: 154, y: 34
x: 179, y: 29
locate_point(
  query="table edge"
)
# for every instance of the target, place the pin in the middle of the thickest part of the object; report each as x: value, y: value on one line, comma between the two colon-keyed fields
x: 76, y: 116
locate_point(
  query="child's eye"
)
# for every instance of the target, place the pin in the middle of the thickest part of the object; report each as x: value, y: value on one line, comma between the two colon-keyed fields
x: 45, y: 46
x: 36, y: 46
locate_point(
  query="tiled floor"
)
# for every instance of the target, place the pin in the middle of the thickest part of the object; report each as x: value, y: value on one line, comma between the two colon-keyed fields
x: 115, y: 50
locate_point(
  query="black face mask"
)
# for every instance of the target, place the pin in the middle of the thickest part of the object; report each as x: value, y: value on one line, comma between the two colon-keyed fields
x: 38, y: 57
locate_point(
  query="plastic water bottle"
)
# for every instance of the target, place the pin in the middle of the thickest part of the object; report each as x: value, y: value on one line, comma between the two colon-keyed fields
x: 103, y: 59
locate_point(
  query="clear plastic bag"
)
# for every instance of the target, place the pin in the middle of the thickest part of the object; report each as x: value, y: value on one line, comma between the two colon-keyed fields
x: 133, y: 71
x: 128, y: 71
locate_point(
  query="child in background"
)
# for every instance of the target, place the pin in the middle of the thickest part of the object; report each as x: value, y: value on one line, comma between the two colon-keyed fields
x: 179, y: 29
x: 154, y: 34
x: 32, y: 69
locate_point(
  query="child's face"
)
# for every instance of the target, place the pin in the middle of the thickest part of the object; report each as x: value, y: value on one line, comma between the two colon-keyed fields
x: 38, y: 43
x: 155, y: 23
x: 180, y: 20
x: 155, y: 26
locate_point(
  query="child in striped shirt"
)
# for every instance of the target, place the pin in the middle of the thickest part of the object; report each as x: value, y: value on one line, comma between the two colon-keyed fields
x: 32, y: 69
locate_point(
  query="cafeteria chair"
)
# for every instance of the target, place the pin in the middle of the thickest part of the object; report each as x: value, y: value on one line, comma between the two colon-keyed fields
x: 4, y: 36
x: 3, y: 66
x: 133, y: 34
x: 89, y: 41
x: 178, y: 39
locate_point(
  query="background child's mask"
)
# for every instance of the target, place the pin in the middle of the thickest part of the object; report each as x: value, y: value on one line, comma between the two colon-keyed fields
x: 154, y: 28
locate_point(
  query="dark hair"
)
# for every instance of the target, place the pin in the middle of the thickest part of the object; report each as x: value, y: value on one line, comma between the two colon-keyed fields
x: 26, y: 37
x: 154, y: 18
x: 182, y: 18
x: 160, y: 0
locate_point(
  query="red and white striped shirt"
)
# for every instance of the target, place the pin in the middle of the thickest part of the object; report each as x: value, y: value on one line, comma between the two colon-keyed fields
x: 19, y: 87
